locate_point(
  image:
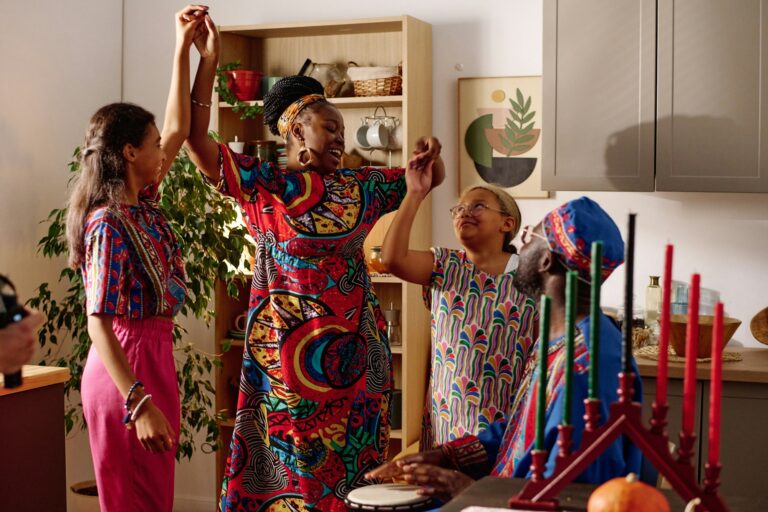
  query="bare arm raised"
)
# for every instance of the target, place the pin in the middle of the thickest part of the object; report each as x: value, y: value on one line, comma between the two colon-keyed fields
x: 425, y: 171
x: 177, y: 116
x: 202, y: 149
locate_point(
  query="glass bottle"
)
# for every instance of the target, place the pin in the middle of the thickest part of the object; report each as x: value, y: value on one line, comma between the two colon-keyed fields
x: 652, y: 303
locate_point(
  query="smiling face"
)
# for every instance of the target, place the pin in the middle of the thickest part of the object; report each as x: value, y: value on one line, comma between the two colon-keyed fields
x: 481, y: 222
x: 321, y: 126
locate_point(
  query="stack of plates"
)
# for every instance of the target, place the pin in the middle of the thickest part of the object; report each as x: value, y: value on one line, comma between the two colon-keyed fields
x: 234, y: 333
x: 282, y: 158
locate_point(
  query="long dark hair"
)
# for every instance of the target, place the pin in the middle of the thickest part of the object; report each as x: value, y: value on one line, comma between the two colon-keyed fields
x: 102, y: 167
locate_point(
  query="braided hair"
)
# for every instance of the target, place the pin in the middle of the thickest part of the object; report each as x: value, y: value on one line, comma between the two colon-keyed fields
x: 285, y: 92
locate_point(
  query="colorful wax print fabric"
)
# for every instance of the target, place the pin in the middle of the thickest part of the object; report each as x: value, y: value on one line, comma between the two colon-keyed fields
x: 313, y: 407
x: 133, y: 264
x: 482, y: 333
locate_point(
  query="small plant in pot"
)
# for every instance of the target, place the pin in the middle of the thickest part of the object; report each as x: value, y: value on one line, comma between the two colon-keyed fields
x: 212, y: 245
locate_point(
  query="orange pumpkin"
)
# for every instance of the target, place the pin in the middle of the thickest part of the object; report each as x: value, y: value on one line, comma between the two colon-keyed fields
x: 627, y: 494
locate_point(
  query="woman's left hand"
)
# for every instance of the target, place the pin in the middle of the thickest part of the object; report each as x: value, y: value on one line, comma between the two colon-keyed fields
x: 436, y: 481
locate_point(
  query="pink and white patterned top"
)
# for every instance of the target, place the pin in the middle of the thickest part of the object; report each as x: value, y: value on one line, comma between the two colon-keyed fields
x: 482, y: 334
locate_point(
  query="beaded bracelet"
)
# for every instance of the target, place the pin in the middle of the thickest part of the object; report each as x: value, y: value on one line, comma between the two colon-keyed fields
x: 130, y: 393
x: 201, y: 104
x: 135, y: 413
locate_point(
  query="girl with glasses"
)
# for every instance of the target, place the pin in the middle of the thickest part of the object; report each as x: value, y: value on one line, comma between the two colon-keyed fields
x: 482, y: 327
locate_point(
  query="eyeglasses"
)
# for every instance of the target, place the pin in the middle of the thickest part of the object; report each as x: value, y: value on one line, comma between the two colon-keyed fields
x: 474, y: 209
x: 527, y: 232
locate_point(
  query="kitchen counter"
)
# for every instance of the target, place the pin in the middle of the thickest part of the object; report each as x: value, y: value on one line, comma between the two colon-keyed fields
x: 37, y: 377
x: 752, y: 369
x: 32, y: 436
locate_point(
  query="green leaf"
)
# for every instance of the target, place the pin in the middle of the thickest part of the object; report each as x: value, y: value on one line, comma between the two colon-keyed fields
x: 520, y: 98
x: 529, y: 116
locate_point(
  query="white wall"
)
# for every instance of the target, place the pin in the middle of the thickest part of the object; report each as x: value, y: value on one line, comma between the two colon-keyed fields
x: 63, y: 60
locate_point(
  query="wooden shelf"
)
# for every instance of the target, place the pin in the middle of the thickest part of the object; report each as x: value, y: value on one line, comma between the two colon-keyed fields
x: 320, y: 28
x: 397, y: 349
x: 354, y: 101
x: 228, y: 423
x: 385, y: 278
x: 234, y: 342
x: 396, y: 434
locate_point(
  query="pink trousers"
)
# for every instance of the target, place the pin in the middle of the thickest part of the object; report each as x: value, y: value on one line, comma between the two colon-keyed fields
x: 128, y: 477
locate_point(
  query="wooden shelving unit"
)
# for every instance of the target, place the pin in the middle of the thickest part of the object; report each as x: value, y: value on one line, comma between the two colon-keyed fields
x: 280, y: 50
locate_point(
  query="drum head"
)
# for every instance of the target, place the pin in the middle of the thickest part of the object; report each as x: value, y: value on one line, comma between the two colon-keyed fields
x: 387, y: 497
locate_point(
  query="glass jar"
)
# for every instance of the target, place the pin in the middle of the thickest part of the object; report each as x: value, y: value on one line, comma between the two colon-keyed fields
x: 375, y: 264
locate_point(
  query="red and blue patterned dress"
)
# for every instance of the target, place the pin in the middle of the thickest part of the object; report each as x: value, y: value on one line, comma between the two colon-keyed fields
x: 313, y: 408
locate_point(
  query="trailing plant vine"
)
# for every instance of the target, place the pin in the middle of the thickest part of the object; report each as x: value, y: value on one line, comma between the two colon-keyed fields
x: 197, y: 215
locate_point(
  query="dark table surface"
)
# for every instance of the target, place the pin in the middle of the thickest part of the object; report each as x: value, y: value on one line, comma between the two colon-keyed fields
x: 495, y: 492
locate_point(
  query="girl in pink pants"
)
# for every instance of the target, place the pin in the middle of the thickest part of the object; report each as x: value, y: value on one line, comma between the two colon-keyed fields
x: 134, y: 283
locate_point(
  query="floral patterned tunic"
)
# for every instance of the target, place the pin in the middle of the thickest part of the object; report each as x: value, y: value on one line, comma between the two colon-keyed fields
x: 313, y: 407
x: 482, y: 334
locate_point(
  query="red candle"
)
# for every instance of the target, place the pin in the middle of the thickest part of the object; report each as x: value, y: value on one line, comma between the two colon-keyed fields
x: 715, y: 386
x: 691, y: 351
x: 661, y: 378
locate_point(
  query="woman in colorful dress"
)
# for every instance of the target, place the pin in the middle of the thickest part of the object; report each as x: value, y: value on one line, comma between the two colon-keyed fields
x: 134, y: 284
x: 482, y: 327
x: 313, y: 408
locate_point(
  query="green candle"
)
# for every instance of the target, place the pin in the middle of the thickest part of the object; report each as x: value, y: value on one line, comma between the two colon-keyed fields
x: 594, y: 316
x: 541, y: 400
x: 570, y: 328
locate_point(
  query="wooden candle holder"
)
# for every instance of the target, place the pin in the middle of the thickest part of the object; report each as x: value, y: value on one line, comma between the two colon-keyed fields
x: 625, y: 418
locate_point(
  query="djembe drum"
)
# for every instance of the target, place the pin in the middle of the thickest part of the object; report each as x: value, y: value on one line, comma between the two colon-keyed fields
x: 388, y: 498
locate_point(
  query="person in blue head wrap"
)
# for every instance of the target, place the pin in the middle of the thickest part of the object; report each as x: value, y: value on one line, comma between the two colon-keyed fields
x: 560, y: 242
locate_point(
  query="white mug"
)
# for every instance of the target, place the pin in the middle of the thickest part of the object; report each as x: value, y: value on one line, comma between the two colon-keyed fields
x: 396, y: 137
x: 378, y: 136
x: 361, y: 136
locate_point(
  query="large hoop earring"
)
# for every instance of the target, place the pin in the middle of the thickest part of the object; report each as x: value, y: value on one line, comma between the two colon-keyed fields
x: 304, y: 152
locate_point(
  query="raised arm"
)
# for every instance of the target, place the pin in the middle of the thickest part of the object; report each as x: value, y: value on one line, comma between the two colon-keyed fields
x: 407, y: 264
x: 202, y: 149
x: 177, y: 116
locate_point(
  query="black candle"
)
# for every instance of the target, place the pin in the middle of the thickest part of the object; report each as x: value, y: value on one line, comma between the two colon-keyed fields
x: 629, y: 268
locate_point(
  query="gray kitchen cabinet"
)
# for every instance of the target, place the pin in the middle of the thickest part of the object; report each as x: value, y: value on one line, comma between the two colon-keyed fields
x: 646, y: 95
x: 599, y: 94
x: 743, y: 445
x: 711, y: 134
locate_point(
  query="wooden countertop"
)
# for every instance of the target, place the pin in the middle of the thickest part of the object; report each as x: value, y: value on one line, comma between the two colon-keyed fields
x: 753, y: 368
x: 495, y: 491
x: 37, y: 377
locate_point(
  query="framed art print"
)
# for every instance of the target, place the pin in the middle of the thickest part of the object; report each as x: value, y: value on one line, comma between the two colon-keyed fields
x: 500, y: 134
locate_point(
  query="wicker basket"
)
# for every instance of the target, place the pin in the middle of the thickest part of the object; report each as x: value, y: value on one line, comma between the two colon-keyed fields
x: 390, y: 86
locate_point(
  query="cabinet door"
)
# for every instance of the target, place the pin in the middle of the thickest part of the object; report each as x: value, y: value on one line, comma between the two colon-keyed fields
x: 743, y: 449
x: 599, y: 95
x: 712, y: 96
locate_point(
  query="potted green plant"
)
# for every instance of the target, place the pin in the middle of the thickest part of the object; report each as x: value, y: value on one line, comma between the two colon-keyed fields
x: 212, y: 244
